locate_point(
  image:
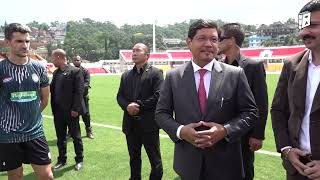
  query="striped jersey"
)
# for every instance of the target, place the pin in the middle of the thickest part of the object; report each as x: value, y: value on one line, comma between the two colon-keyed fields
x: 20, y: 91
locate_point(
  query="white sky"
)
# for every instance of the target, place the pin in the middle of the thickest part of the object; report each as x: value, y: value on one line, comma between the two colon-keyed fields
x: 148, y: 11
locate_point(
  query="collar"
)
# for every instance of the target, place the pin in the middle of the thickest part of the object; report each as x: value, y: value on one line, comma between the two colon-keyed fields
x: 143, y: 68
x: 310, y: 59
x: 208, y: 66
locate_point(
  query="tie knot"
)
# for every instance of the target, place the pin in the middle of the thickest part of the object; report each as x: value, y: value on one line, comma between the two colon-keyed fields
x: 202, y: 72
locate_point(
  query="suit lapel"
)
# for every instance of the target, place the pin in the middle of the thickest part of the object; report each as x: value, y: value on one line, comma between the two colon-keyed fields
x: 300, y: 83
x: 215, y: 83
x: 189, y: 86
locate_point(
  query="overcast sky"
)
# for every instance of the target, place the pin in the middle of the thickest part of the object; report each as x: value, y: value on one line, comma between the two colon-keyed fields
x: 148, y: 11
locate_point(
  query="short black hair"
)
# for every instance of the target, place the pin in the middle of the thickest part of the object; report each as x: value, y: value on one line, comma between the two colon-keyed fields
x: 233, y: 30
x: 200, y: 24
x: 15, y: 27
x: 311, y: 6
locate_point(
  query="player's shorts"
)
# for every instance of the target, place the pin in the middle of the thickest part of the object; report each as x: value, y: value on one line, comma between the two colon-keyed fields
x: 13, y: 155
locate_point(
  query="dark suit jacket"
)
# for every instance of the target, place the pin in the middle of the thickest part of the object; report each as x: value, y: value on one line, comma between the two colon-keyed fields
x: 150, y: 83
x: 256, y: 76
x: 237, y: 112
x: 288, y: 107
x: 72, y: 84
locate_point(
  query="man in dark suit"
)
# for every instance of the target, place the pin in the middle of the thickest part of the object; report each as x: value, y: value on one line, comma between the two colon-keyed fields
x: 295, y: 110
x: 206, y: 106
x: 66, y: 104
x: 86, y: 78
x: 230, y: 40
x: 137, y: 96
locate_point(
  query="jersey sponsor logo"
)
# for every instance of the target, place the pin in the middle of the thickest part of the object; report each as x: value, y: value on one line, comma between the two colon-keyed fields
x: 35, y: 78
x: 25, y: 96
x: 7, y: 79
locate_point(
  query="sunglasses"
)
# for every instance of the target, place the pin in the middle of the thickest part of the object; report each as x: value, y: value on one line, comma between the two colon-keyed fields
x: 223, y: 38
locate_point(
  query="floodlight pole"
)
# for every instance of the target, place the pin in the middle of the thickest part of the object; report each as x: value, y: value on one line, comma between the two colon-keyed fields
x: 154, y: 37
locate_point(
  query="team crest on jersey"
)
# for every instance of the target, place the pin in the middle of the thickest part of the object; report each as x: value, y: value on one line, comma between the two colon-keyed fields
x: 7, y: 79
x: 35, y: 78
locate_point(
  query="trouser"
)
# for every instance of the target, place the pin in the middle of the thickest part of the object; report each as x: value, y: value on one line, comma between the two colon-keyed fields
x: 248, y: 159
x: 151, y: 143
x: 62, y: 120
x: 86, y: 116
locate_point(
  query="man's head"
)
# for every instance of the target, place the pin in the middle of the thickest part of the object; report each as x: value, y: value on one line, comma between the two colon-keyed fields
x: 140, y: 54
x: 231, y: 36
x: 310, y: 34
x: 203, y: 41
x: 77, y: 61
x: 18, y: 39
x: 59, y: 58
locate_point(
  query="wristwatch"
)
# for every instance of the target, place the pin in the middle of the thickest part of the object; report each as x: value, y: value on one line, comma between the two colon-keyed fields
x: 286, y: 152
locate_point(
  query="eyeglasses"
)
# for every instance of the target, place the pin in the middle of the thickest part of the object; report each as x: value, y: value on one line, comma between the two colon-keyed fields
x: 223, y: 38
x: 203, y: 39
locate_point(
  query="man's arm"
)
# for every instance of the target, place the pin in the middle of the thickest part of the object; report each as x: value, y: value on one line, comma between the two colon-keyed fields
x: 247, y: 109
x: 164, y: 110
x: 78, y: 91
x: 121, y: 99
x: 280, y: 111
x: 86, y: 80
x: 260, y: 93
x: 44, y: 97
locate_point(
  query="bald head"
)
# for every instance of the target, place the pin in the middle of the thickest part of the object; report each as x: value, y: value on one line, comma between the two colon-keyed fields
x: 60, y: 53
x: 59, y: 58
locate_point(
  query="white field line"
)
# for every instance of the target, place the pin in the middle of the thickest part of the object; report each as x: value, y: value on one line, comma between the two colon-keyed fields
x: 270, y: 153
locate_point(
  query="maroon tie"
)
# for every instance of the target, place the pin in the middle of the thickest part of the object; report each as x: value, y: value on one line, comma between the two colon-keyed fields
x: 202, y: 92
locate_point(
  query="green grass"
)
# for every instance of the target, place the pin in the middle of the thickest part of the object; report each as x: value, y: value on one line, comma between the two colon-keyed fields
x: 106, y: 157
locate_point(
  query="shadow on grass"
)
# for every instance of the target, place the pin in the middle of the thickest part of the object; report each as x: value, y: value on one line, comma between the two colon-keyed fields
x: 56, y: 174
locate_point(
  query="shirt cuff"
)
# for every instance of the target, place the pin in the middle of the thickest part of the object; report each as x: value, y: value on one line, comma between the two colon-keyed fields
x: 178, y: 131
x: 284, y: 148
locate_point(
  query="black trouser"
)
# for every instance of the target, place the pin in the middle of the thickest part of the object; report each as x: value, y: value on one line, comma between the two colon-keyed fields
x: 151, y: 144
x: 62, y: 120
x: 248, y: 158
x: 86, y: 116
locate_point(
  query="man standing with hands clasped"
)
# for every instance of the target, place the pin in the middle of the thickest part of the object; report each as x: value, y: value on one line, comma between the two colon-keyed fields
x: 137, y: 96
x: 206, y: 106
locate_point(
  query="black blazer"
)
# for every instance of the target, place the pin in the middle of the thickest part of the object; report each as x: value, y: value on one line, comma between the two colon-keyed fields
x: 151, y: 81
x: 256, y: 76
x: 72, y: 84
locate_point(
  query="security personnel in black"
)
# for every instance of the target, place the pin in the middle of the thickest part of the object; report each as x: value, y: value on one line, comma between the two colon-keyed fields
x: 86, y: 78
x: 66, y: 104
x: 137, y: 96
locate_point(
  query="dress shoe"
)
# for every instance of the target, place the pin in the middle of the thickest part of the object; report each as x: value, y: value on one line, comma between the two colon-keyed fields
x: 78, y: 166
x: 59, y: 165
x: 90, y: 135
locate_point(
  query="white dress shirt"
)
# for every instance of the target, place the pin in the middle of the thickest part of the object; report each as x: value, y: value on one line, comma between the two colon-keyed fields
x: 312, y: 85
x: 206, y: 79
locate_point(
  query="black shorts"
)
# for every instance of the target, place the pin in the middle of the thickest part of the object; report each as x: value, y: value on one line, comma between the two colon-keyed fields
x: 14, y: 154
